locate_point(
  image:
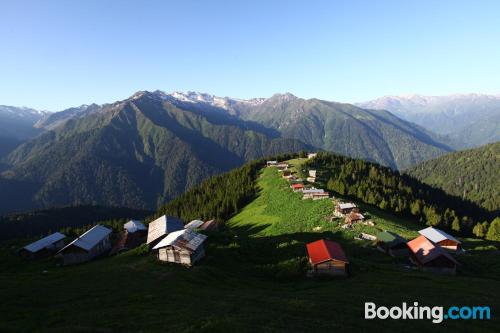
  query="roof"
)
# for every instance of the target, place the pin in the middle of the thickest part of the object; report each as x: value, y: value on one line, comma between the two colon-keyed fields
x: 426, y: 251
x: 390, y: 239
x: 347, y: 205
x: 324, y: 250
x: 194, y: 224
x: 313, y: 190
x: 212, y: 224
x: 134, y: 225
x: 90, y: 238
x: 437, y: 235
x: 297, y: 185
x: 44, y: 242
x: 187, y: 239
x: 356, y: 216
x: 163, y: 226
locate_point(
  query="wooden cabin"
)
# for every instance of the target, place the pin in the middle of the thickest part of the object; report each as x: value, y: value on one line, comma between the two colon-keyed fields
x: 297, y: 187
x: 392, y: 244
x: 210, y: 225
x: 430, y: 257
x: 91, y: 244
x: 344, y: 208
x: 354, y: 217
x: 133, y: 235
x: 161, y: 227
x: 286, y: 173
x: 309, y: 193
x: 184, y: 247
x: 442, y: 239
x: 44, y: 247
x: 311, y: 155
x: 272, y: 163
x: 320, y: 196
x: 282, y: 166
x: 327, y: 258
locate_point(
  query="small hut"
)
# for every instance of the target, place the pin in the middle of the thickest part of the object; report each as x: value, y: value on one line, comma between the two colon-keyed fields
x: 272, y: 163
x: 344, y: 208
x: 327, y: 258
x: 89, y: 245
x: 297, y: 187
x: 184, y: 247
x: 441, y: 238
x: 431, y: 258
x: 353, y: 217
x: 133, y: 235
x: 392, y: 244
x: 45, y: 246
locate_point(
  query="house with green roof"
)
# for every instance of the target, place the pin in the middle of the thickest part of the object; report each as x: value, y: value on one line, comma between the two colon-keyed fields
x: 392, y: 244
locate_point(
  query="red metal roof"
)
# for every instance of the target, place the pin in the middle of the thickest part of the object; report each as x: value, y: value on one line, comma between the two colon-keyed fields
x: 323, y: 250
x: 297, y: 185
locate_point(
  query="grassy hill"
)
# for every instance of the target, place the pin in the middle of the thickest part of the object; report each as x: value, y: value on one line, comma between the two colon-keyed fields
x: 251, y: 280
x: 470, y: 174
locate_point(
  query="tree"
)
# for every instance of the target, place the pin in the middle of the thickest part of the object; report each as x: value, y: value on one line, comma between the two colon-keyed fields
x: 480, y: 229
x: 494, y: 230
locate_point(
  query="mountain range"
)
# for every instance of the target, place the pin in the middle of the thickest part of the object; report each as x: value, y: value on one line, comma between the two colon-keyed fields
x: 143, y: 151
x: 468, y: 120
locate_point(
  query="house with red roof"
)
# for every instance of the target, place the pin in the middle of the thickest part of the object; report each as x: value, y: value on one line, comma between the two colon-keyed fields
x: 430, y: 257
x: 327, y: 258
x: 297, y: 187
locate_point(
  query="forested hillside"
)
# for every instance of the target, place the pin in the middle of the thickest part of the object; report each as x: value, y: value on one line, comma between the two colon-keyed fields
x: 139, y: 153
x: 398, y: 193
x: 471, y: 174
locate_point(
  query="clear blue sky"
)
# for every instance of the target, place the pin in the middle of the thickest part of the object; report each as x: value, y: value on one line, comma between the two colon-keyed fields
x: 57, y: 54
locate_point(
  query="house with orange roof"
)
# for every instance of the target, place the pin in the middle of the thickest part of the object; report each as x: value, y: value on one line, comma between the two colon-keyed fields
x: 430, y: 257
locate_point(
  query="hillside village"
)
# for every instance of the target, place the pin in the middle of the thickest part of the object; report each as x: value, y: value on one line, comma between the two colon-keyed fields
x: 174, y: 241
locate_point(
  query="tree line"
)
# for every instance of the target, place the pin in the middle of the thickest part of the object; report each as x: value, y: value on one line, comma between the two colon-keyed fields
x: 401, y: 194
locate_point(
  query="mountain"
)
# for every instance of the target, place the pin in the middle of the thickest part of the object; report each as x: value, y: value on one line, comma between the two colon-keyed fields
x: 17, y: 125
x: 139, y: 153
x: 470, y: 174
x: 470, y: 120
x: 342, y: 128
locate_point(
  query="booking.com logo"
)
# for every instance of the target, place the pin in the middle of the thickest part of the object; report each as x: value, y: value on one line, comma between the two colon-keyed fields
x: 436, y: 313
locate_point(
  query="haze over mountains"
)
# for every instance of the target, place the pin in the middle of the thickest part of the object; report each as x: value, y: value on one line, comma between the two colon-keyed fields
x: 470, y: 120
x: 147, y: 149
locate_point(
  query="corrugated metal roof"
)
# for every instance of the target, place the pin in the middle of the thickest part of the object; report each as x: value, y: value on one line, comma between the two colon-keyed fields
x: 425, y: 251
x: 194, y: 224
x: 437, y: 235
x: 347, y: 205
x: 182, y: 238
x: 90, y: 238
x: 44, y: 242
x: 313, y: 190
x: 323, y: 250
x: 163, y: 226
x: 134, y: 225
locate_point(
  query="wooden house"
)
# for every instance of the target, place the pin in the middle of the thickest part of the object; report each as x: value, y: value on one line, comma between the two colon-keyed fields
x: 272, y: 163
x: 320, y: 196
x: 210, y: 225
x: 133, y: 235
x: 297, y: 187
x: 309, y: 193
x: 392, y: 244
x: 282, y: 166
x: 430, y: 257
x: 311, y: 155
x: 91, y: 244
x: 286, y: 173
x: 135, y: 226
x: 344, y: 208
x: 327, y: 258
x: 354, y: 217
x: 45, y: 246
x: 441, y: 238
x: 311, y: 179
x: 161, y: 227
x: 184, y: 247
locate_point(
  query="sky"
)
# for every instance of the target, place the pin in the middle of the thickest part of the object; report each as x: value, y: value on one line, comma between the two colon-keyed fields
x: 59, y: 54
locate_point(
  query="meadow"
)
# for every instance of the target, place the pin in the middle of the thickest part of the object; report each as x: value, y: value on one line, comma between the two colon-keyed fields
x: 252, y: 280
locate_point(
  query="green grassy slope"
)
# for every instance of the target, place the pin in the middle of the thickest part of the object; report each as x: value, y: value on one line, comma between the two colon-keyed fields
x: 251, y: 280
